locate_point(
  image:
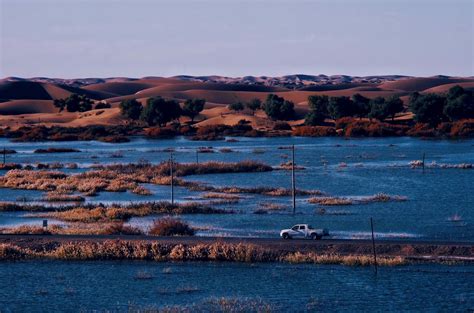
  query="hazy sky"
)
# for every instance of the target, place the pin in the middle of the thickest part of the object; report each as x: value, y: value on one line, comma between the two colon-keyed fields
x: 101, y: 38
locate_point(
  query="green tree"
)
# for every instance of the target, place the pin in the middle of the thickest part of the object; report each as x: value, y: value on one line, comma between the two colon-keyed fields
x: 378, y: 109
x: 277, y: 108
x: 236, y: 106
x: 131, y: 109
x: 459, y: 104
x: 394, y: 105
x: 361, y: 105
x: 253, y: 105
x: 74, y: 103
x: 159, y: 111
x: 192, y: 107
x: 318, y: 106
x: 340, y: 107
x: 428, y: 108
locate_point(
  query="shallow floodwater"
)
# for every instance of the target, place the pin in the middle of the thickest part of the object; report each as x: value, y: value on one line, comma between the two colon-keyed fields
x: 439, y: 206
x: 51, y: 286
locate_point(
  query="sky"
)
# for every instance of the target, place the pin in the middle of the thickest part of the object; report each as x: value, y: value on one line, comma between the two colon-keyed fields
x: 137, y: 38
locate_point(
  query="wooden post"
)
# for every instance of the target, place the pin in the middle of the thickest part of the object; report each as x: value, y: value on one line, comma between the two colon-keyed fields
x: 293, y: 183
x: 373, y: 245
x: 171, y: 176
x: 197, y: 156
x: 4, y: 155
x: 423, y: 162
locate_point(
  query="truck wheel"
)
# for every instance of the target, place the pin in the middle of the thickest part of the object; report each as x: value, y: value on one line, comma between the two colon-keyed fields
x: 315, y: 236
x: 286, y: 236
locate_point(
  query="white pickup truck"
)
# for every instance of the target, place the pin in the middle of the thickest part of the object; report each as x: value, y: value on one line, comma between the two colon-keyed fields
x: 304, y: 231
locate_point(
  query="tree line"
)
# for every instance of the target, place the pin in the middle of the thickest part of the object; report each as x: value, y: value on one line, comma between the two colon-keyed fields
x: 159, y: 111
x: 457, y: 103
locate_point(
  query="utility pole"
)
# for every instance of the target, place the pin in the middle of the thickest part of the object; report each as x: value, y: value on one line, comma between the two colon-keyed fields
x: 373, y: 245
x: 197, y: 156
x: 171, y: 176
x: 4, y: 155
x: 293, y: 184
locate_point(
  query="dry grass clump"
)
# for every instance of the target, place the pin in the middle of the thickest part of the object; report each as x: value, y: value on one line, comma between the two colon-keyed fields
x: 382, y: 197
x: 270, y: 206
x: 114, y: 228
x: 218, y: 251
x: 26, y: 230
x: 168, y: 226
x: 12, y: 252
x: 205, y: 150
x: 121, y: 229
x: 10, y: 166
x: 119, y: 177
x: 54, y: 196
x: 269, y: 191
x: 140, y: 190
x: 56, y: 150
x: 100, y: 213
x: 216, y: 195
x: 350, y: 260
x: 226, y: 150
x: 289, y: 166
x: 314, y: 131
x: 330, y: 201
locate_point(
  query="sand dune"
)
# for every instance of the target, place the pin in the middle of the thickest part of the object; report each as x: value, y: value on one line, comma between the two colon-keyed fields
x: 16, y: 107
x: 29, y: 101
x: 420, y: 84
x: 119, y: 88
x: 23, y: 90
x: 444, y: 88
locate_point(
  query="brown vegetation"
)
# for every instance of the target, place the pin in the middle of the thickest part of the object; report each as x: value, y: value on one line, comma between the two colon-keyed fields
x: 380, y: 197
x: 100, y: 213
x: 56, y: 150
x: 140, y: 250
x: 314, y: 131
x: 57, y: 133
x: 168, y: 226
x: 119, y: 177
x: 112, y: 228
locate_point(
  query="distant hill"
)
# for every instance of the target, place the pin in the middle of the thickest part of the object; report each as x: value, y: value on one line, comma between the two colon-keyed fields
x: 35, y: 95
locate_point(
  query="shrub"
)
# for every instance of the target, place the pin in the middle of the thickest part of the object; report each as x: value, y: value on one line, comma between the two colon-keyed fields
x: 314, y: 131
x: 462, y: 128
x: 131, y: 109
x: 428, y: 108
x: 281, y: 126
x: 340, y: 106
x: 161, y: 132
x: 120, y: 229
x: 277, y: 108
x: 236, y: 106
x: 56, y: 150
x: 160, y: 111
x: 74, y: 103
x: 102, y: 105
x: 192, y: 107
x: 168, y: 226
x: 253, y: 105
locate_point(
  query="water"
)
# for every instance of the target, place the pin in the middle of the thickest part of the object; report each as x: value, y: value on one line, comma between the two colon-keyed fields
x: 50, y: 286
x: 336, y: 166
